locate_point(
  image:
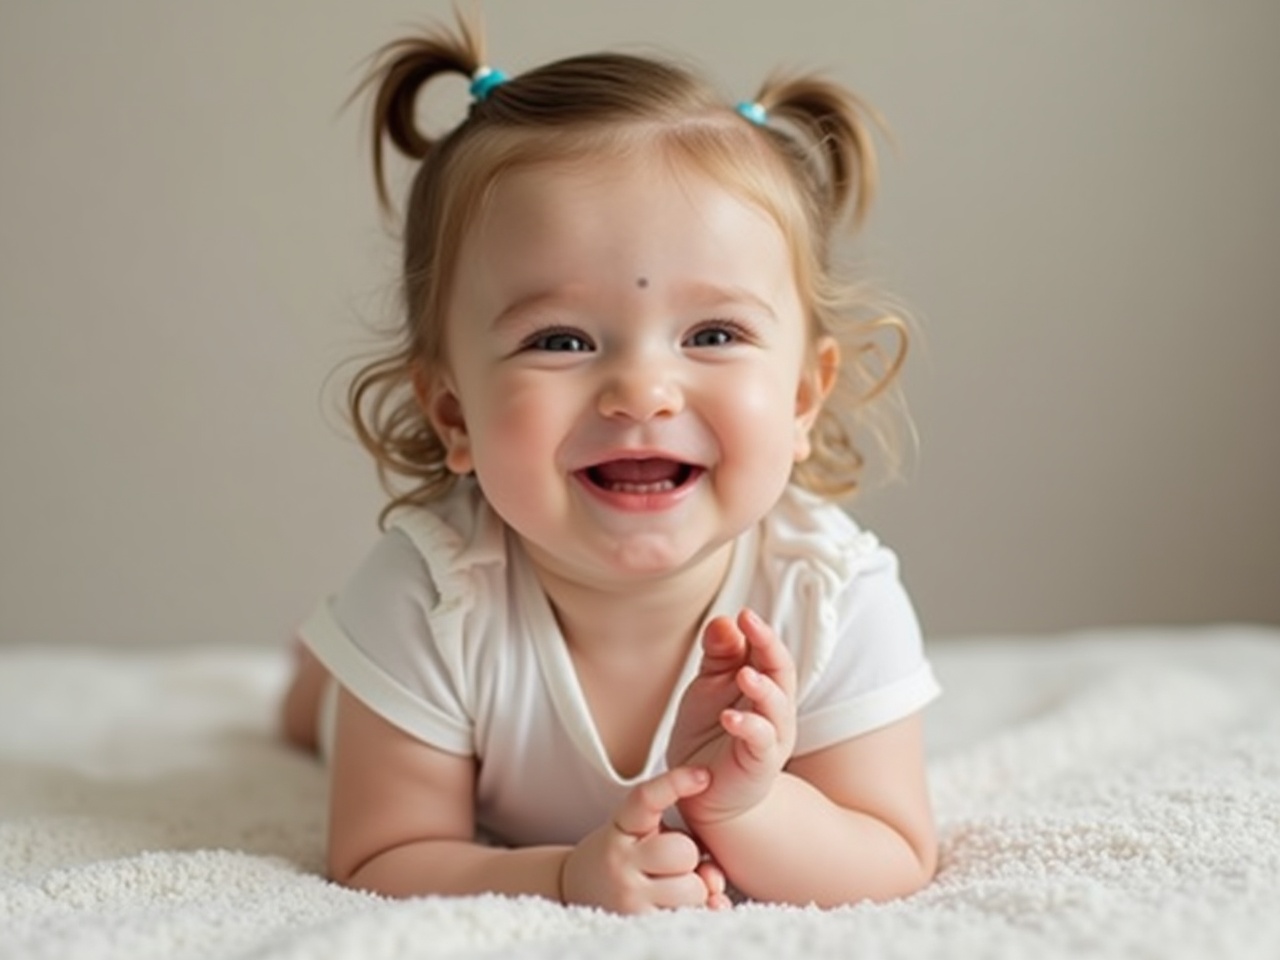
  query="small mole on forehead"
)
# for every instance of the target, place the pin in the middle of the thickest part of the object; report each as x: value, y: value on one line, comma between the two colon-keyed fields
x: 642, y: 282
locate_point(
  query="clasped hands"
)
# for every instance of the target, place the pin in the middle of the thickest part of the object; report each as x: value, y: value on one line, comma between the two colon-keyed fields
x: 734, y: 732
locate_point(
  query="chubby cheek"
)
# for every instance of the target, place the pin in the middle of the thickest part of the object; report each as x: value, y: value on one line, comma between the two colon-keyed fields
x: 514, y: 431
x: 756, y: 425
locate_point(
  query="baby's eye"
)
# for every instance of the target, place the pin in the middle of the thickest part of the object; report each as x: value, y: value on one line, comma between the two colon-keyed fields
x: 559, y: 341
x: 719, y: 334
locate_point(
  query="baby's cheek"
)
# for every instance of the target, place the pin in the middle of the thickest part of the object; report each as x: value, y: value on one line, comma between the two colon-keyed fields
x: 514, y: 433
x: 514, y: 406
x: 759, y: 412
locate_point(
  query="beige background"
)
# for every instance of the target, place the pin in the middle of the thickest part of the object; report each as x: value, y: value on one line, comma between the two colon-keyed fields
x: 1084, y: 213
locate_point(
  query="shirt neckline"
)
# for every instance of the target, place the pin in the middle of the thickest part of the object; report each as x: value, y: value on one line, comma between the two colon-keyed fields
x: 561, y: 678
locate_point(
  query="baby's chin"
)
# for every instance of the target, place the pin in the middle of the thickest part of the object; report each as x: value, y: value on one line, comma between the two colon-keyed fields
x: 649, y: 557
x: 624, y: 563
x: 639, y: 560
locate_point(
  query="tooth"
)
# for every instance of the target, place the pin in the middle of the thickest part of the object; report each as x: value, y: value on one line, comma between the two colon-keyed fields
x: 660, y: 486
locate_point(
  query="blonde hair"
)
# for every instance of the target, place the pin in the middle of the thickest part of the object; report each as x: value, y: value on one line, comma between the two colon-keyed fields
x: 812, y: 167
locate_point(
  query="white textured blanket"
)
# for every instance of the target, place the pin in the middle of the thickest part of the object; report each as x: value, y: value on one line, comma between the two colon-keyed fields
x: 1110, y: 794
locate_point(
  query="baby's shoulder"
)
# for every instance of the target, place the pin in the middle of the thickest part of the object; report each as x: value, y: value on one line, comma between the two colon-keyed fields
x: 426, y: 586
x: 428, y: 577
x: 833, y: 593
x: 458, y: 538
x: 452, y: 528
x: 807, y: 532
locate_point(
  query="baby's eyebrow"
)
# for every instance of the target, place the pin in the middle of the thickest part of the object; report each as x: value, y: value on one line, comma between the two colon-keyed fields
x: 528, y: 302
x: 702, y: 294
x: 707, y: 294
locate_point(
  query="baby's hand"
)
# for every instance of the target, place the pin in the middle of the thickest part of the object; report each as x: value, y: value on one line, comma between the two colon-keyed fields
x: 634, y: 865
x: 737, y: 719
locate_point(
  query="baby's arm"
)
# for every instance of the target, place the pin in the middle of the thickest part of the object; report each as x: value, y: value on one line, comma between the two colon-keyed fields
x: 843, y: 824
x: 402, y: 823
x: 838, y: 825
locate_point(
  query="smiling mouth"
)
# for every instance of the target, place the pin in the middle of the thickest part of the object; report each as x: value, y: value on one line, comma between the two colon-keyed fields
x: 649, y: 475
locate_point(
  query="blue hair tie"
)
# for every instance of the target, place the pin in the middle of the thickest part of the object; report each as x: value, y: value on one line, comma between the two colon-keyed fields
x: 484, y: 80
x: 754, y: 112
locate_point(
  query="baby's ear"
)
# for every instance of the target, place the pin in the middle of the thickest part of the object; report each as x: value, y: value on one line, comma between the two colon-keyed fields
x: 816, y: 383
x: 440, y: 405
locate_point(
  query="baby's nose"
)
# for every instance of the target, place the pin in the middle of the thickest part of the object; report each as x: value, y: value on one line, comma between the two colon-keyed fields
x: 640, y: 391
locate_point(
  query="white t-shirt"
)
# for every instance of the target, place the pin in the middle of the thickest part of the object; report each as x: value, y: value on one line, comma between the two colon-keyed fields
x: 445, y: 632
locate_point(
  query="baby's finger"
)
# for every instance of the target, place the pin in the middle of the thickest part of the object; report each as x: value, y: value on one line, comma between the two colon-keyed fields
x: 753, y: 731
x: 667, y: 854
x: 719, y: 901
x: 717, y: 887
x: 641, y: 811
x: 768, y: 654
x: 766, y: 697
x: 723, y: 646
x: 686, y: 890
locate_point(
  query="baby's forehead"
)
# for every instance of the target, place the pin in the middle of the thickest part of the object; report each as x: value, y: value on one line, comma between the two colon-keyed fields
x: 652, y: 157
x: 621, y: 240
x: 617, y: 204
x: 537, y: 188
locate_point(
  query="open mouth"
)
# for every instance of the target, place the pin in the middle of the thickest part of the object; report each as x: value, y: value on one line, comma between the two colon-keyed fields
x: 649, y: 475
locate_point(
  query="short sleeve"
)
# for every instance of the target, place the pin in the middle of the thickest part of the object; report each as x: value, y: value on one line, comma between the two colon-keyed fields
x: 375, y: 637
x: 876, y: 672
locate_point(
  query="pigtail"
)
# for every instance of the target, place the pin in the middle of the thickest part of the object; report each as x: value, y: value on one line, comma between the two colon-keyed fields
x: 400, y: 70
x: 382, y: 406
x: 826, y: 133
x: 838, y: 124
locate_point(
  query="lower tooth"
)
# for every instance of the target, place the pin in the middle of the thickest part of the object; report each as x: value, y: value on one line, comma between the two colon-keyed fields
x: 661, y: 486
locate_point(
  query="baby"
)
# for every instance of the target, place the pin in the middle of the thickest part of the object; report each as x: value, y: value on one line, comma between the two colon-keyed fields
x: 617, y: 644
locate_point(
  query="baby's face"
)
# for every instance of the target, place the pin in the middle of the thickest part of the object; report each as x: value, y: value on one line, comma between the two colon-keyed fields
x: 626, y: 346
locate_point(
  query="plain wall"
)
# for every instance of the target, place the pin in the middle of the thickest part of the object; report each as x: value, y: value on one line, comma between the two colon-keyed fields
x: 1083, y: 212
